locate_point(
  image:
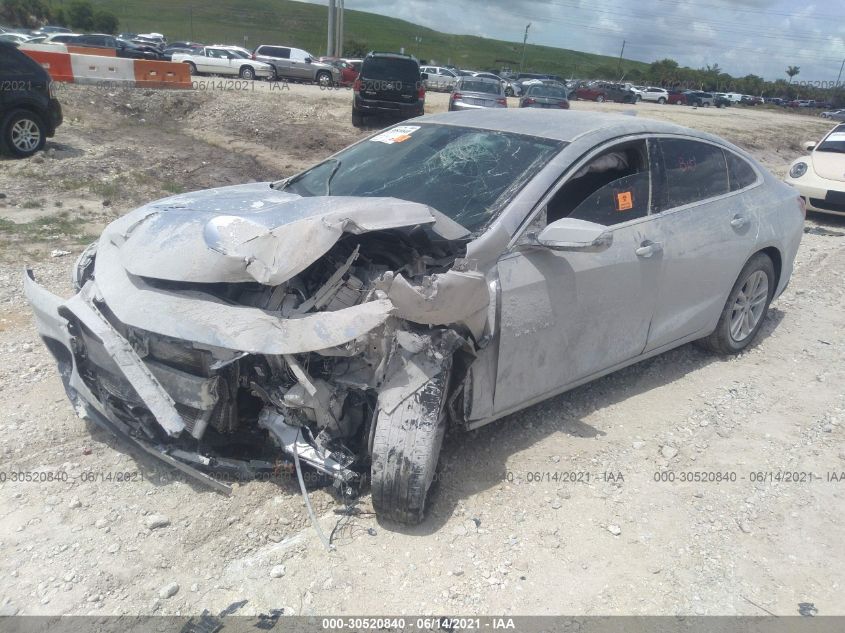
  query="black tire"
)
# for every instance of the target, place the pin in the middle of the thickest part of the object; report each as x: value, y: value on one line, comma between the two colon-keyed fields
x: 192, y: 68
x: 23, y: 133
x: 247, y: 72
x: 324, y: 79
x: 406, y: 449
x: 639, y: 98
x: 357, y: 119
x: 661, y: 101
x: 509, y: 92
x: 599, y: 99
x: 721, y: 341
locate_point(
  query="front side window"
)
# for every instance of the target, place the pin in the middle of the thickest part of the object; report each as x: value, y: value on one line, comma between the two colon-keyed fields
x: 467, y: 174
x: 612, y: 188
x: 695, y: 171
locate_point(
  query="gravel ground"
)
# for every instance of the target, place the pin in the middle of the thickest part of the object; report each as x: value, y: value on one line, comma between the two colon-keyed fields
x: 505, y: 534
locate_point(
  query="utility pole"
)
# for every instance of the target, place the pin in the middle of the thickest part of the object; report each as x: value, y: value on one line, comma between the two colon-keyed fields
x: 524, y: 42
x: 619, y: 64
x: 330, y: 40
x: 840, y: 73
x: 338, y: 47
x: 191, y: 19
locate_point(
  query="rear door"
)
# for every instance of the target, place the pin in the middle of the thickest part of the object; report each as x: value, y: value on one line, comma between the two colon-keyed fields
x: 707, y: 230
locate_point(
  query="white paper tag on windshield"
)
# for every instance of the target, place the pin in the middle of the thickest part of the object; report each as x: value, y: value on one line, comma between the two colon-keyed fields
x: 396, y: 135
x: 836, y: 136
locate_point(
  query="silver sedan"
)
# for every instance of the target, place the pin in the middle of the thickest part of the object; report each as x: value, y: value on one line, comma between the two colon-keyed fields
x: 472, y: 93
x: 453, y: 269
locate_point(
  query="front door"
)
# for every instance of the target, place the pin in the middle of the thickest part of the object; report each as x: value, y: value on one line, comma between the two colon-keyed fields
x: 568, y: 315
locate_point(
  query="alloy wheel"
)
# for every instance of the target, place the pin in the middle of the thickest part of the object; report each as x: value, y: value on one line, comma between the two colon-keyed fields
x: 749, y: 306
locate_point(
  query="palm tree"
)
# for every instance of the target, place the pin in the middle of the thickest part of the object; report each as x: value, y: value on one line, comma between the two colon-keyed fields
x: 792, y: 71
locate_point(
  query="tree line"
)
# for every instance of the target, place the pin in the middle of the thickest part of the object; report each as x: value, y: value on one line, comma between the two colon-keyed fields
x: 79, y: 15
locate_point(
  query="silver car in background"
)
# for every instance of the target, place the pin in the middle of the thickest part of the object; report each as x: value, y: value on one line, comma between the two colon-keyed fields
x: 472, y: 93
x: 453, y: 269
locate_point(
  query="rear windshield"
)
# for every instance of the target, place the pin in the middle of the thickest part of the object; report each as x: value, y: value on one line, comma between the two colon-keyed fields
x: 391, y: 68
x: 480, y: 86
x: 547, y: 91
x: 835, y: 141
x: 466, y: 173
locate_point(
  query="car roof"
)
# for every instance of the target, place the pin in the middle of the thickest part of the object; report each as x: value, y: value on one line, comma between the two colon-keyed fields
x: 560, y: 126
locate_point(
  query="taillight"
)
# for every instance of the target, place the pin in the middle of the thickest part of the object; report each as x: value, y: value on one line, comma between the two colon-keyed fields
x: 456, y: 96
x: 356, y: 86
x: 421, y: 91
x: 802, y: 204
x: 502, y: 101
x: 529, y: 101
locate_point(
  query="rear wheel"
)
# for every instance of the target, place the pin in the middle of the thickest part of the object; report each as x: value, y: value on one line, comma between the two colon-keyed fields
x: 23, y: 133
x: 406, y: 449
x: 599, y: 99
x: 745, y: 309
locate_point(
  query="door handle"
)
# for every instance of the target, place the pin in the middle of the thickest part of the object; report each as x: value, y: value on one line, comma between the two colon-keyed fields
x: 738, y: 221
x: 649, y: 248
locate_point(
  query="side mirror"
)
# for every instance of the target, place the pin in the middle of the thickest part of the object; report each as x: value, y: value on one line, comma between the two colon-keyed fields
x: 423, y: 76
x: 809, y: 145
x: 308, y: 60
x: 570, y: 234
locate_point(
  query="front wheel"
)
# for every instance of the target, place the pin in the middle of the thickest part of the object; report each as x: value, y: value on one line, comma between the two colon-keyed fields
x: 192, y: 68
x: 745, y: 309
x: 23, y: 133
x: 599, y: 99
x: 661, y: 101
x: 324, y: 79
x: 247, y: 73
x: 406, y: 449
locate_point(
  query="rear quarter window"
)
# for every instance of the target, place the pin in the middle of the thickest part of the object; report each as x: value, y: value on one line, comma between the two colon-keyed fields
x: 695, y: 171
x: 740, y: 173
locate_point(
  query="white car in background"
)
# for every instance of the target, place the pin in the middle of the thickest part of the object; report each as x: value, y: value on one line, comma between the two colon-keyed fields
x: 439, y: 78
x: 656, y: 95
x: 820, y: 176
x: 224, y: 60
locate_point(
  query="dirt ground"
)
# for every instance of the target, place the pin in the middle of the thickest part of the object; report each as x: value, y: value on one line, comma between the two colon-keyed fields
x: 502, y: 536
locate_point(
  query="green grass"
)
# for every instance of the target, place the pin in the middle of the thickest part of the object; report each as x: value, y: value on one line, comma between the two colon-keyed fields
x: 304, y: 25
x: 46, y: 228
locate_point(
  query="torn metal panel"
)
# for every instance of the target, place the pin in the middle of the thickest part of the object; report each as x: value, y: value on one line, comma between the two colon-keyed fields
x: 200, y: 318
x: 441, y: 299
x: 139, y: 376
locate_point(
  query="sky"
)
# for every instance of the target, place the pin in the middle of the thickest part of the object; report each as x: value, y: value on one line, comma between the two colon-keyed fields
x: 760, y: 37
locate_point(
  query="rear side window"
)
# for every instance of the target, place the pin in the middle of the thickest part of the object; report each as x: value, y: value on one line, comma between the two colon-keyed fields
x: 275, y: 51
x: 694, y: 171
x: 740, y: 173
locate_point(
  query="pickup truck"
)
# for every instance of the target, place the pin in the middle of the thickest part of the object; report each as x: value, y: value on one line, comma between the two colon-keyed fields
x: 219, y: 60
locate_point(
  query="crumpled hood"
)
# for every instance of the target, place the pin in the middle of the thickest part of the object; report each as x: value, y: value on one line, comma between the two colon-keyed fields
x: 252, y: 232
x: 829, y: 165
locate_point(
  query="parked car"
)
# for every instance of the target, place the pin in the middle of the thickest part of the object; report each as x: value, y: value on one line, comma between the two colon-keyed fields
x: 211, y: 60
x: 721, y: 100
x: 820, y: 176
x: 61, y: 38
x: 15, y: 38
x: 348, y: 72
x: 699, y: 98
x: 390, y: 84
x: 656, y: 95
x: 29, y: 113
x: 605, y: 91
x: 637, y: 90
x: 123, y: 48
x: 545, y: 96
x: 421, y: 278
x: 836, y: 115
x: 677, y: 97
x: 48, y: 30
x: 297, y: 64
x: 474, y: 92
x: 440, y: 78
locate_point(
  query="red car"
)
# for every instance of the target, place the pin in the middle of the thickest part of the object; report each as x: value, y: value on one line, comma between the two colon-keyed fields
x: 677, y: 97
x: 349, y: 68
x: 605, y: 91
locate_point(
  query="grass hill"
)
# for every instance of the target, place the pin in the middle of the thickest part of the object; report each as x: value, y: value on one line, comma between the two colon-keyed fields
x: 303, y: 25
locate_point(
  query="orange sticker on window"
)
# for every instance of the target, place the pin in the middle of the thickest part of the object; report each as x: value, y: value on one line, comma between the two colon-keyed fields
x: 624, y: 200
x: 401, y: 138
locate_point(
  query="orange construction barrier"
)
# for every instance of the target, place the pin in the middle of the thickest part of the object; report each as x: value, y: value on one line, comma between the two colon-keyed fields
x: 57, y: 64
x: 87, y: 50
x: 149, y: 74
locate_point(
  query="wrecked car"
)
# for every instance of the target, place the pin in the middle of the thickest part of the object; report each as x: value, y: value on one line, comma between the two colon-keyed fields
x: 450, y: 270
